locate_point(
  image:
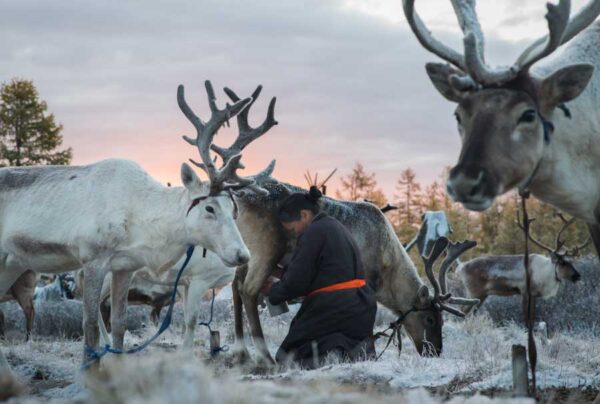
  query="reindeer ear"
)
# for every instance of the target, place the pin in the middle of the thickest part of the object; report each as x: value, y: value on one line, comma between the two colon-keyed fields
x: 189, y: 178
x: 565, y: 84
x: 441, y: 76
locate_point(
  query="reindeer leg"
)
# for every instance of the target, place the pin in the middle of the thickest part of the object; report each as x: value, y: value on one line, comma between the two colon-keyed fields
x: 25, y: 300
x: 250, y: 292
x: 105, y: 314
x: 155, y: 313
x: 595, y: 234
x: 9, y: 385
x: 240, y: 349
x: 23, y: 291
x: 118, y: 306
x: 1, y: 324
x: 193, y: 300
x: 93, y: 277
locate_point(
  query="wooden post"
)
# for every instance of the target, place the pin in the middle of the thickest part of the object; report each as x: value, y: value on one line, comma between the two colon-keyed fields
x: 528, y: 298
x: 215, y: 342
x: 519, y: 371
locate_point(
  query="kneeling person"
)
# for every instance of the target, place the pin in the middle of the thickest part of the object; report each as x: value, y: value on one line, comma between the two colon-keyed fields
x: 338, y: 312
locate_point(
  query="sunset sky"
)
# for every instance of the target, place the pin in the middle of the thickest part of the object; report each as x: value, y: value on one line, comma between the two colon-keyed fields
x: 348, y: 75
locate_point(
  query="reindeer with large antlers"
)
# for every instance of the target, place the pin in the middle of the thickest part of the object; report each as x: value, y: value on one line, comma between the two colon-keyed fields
x: 389, y: 270
x: 515, y: 125
x: 504, y: 275
x: 112, y: 216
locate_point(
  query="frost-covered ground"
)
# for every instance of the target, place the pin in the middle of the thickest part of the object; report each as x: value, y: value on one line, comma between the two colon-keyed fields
x: 476, y: 358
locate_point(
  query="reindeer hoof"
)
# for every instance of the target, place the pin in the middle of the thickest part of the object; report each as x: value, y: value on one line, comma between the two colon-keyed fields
x: 241, y: 356
x: 265, y: 361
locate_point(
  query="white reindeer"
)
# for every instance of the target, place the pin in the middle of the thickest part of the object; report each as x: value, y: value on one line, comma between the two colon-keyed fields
x: 504, y: 275
x: 112, y: 216
x: 246, y: 136
x: 515, y: 127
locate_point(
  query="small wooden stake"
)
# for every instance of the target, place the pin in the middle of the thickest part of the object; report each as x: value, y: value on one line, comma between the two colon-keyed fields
x: 519, y: 371
x: 215, y: 342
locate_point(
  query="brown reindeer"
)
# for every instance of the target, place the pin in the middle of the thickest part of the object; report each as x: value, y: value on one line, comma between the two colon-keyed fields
x: 22, y: 291
x: 515, y: 127
x: 504, y: 275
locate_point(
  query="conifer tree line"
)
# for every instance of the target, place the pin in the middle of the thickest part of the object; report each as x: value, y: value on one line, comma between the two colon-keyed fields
x: 495, y: 230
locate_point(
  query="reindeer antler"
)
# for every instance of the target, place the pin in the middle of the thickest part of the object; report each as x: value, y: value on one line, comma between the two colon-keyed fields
x: 576, y: 251
x: 438, y: 248
x: 561, y: 30
x: 571, y: 252
x: 566, y: 223
x: 441, y: 296
x: 427, y: 40
x: 246, y: 135
x: 315, y: 183
x: 453, y: 251
x: 536, y: 242
x: 559, y: 243
x: 205, y: 133
x: 388, y: 207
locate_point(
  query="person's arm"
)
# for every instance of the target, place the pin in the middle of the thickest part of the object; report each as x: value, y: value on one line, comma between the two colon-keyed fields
x: 302, y: 269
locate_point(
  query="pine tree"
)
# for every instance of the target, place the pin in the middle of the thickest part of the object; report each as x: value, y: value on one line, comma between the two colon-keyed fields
x: 409, y: 198
x: 357, y: 185
x: 28, y: 134
x: 433, y: 198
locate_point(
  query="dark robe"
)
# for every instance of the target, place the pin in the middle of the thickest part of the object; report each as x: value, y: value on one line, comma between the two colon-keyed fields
x: 337, y: 321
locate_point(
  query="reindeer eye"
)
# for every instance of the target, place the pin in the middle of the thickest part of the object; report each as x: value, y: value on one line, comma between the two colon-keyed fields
x: 210, y: 209
x: 528, y: 116
x: 429, y: 321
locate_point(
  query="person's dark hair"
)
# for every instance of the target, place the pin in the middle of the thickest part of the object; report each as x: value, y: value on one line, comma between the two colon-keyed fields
x: 295, y: 203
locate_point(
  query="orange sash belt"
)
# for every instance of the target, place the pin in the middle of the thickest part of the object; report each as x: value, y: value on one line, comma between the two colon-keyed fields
x: 353, y: 284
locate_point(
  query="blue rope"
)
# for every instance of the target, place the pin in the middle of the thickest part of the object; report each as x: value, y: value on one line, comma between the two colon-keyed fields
x: 222, y: 348
x: 97, y: 355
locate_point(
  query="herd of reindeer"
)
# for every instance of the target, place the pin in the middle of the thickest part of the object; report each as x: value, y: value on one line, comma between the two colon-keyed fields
x: 534, y: 124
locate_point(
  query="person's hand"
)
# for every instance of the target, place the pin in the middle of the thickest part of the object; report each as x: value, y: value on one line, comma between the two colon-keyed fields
x: 266, y: 288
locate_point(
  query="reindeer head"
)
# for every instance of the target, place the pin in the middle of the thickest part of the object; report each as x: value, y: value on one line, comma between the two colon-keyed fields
x: 503, y: 114
x: 561, y: 257
x: 210, y: 218
x: 425, y: 323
